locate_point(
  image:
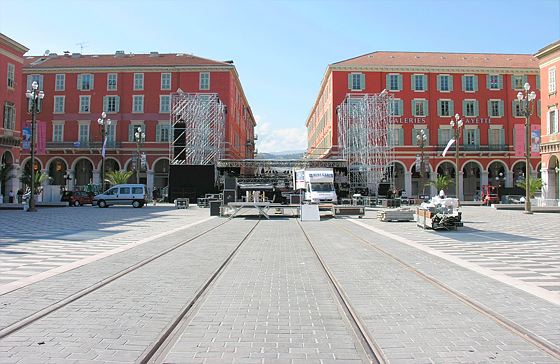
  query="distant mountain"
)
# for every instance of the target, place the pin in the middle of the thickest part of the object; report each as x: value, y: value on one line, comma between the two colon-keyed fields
x: 293, y: 154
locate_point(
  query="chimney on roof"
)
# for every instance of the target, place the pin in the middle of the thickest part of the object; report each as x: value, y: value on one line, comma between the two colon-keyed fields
x: 66, y: 53
x: 154, y: 54
x: 76, y: 55
x: 230, y: 62
x: 119, y: 53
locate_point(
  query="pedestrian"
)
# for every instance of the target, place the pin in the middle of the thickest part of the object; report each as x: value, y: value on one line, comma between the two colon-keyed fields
x: 20, y: 195
x: 154, y: 196
x: 11, y: 196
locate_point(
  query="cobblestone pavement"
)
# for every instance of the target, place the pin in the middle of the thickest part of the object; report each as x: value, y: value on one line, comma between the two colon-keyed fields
x: 118, y: 322
x: 525, y: 249
x: 34, y: 246
x: 416, y: 322
x: 272, y: 304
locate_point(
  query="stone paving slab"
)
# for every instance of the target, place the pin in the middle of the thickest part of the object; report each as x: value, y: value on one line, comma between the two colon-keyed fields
x: 119, y: 321
x: 412, y: 320
x: 32, y: 243
x: 273, y: 304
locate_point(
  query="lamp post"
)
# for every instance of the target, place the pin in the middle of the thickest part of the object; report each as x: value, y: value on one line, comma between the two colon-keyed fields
x: 34, y: 95
x: 139, y: 136
x: 104, y: 122
x: 67, y: 177
x: 526, y: 102
x: 421, y: 140
x: 456, y: 124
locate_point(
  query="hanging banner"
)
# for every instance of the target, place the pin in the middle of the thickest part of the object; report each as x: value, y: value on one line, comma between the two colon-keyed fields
x: 41, y: 137
x: 449, y: 144
x: 26, y: 138
x: 535, y: 140
x: 519, y: 142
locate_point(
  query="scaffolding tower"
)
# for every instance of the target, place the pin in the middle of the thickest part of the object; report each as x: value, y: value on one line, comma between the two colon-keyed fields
x: 366, y: 140
x: 197, y: 135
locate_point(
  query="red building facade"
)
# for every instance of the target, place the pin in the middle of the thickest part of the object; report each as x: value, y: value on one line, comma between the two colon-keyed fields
x: 428, y: 90
x: 549, y: 58
x: 134, y: 90
x: 11, y: 89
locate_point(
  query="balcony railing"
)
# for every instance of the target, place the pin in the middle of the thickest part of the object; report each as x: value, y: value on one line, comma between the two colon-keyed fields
x: 476, y: 148
x: 83, y: 145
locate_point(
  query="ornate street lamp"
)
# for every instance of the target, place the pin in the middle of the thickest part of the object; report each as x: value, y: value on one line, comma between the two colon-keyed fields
x: 34, y: 96
x: 139, y: 136
x: 456, y: 124
x: 526, y: 103
x: 421, y: 140
x: 104, y: 122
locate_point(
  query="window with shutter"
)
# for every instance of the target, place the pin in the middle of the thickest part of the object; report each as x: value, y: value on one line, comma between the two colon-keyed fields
x: 112, y: 82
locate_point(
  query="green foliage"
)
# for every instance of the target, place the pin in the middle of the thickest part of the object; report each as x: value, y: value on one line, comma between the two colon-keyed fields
x: 535, y: 184
x: 442, y: 182
x: 118, y: 177
x: 40, y: 178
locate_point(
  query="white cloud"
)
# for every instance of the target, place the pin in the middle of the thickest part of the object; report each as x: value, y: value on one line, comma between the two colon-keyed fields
x: 279, y: 139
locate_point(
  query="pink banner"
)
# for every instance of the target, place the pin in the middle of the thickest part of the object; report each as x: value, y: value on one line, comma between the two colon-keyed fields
x: 41, y: 137
x: 519, y: 140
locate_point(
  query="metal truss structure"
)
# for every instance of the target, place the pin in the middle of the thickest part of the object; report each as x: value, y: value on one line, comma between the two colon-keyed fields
x: 282, y: 163
x: 366, y: 140
x: 197, y: 135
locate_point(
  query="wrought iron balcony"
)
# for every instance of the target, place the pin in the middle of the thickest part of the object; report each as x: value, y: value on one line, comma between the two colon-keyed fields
x: 475, y: 148
x: 83, y: 145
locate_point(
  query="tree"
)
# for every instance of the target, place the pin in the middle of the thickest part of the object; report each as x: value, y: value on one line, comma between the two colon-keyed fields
x: 40, y: 178
x: 442, y: 182
x: 535, y: 184
x: 118, y: 177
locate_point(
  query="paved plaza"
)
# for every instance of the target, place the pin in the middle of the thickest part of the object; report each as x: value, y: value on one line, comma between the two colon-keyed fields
x: 272, y: 302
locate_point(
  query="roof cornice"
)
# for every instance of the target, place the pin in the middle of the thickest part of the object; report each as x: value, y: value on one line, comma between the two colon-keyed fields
x: 551, y: 48
x: 113, y: 69
x: 12, y: 43
x: 433, y: 69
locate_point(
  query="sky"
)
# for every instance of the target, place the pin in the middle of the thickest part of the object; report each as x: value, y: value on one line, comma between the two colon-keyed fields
x: 281, y: 48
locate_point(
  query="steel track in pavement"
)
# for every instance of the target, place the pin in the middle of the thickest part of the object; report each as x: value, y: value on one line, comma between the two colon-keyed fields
x: 18, y: 325
x: 509, y: 325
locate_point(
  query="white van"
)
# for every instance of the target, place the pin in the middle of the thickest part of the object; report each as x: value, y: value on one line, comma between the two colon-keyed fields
x: 124, y: 194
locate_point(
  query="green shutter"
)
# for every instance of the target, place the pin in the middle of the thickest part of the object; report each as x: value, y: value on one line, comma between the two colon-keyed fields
x: 350, y: 81
x: 477, y: 137
x: 513, y: 114
x: 427, y: 132
x: 488, y: 82
x: 425, y: 83
x: 399, y: 77
x: 413, y: 108
x: 401, y: 136
x: 489, y: 105
x: 79, y: 85
x: 362, y: 81
x: 451, y: 108
x: 130, y: 132
x: 476, y: 108
x: 513, y: 77
x: 426, y: 111
x: 438, y: 82
x: 538, y: 82
x: 92, y: 78
x: 440, y: 136
x: 412, y: 83
x: 500, y: 82
x: 501, y: 137
x: 539, y: 108
x: 158, y: 133
x: 29, y: 82
x: 525, y: 79
x: 105, y: 103
x: 501, y: 107
x: 464, y: 82
x: 450, y: 82
x: 118, y: 103
x: 439, y: 102
x: 401, y: 107
x: 475, y: 82
x: 388, y: 82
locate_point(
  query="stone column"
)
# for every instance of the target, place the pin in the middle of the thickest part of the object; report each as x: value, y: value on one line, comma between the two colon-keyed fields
x: 483, y: 178
x: 71, y: 182
x: 14, y: 183
x: 97, y: 176
x: 150, y: 181
x: 548, y: 183
x: 432, y: 189
x: 508, y: 178
x: 408, y: 183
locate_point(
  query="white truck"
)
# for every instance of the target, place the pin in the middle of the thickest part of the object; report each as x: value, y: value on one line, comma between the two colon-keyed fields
x: 317, y: 184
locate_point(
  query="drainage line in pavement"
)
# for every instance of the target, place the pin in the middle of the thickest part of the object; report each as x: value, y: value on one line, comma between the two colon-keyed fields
x: 511, y: 326
x: 157, y: 351
x: 10, y: 329
x: 372, y: 351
